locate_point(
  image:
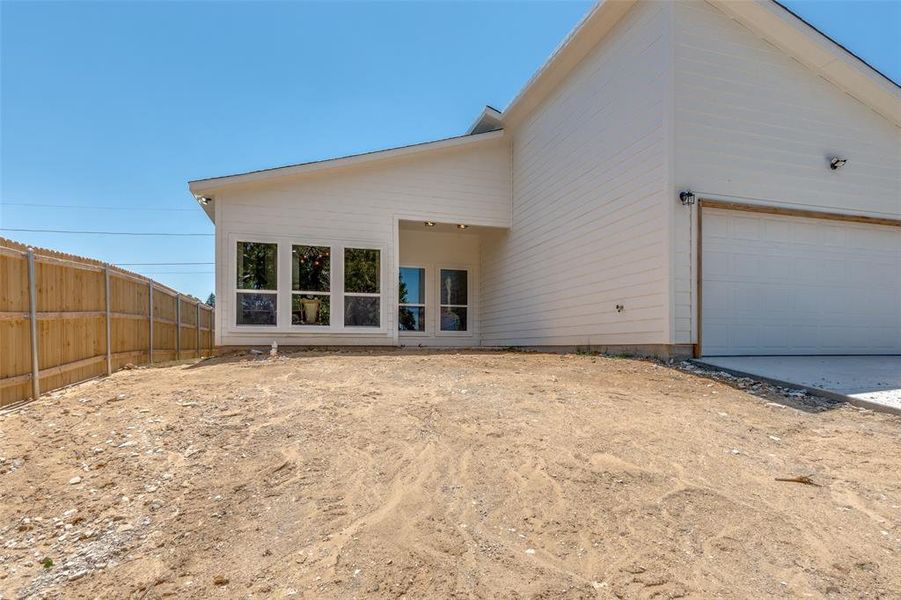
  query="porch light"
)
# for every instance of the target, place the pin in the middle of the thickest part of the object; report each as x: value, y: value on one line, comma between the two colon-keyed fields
x: 837, y: 163
x: 430, y: 223
x: 461, y: 226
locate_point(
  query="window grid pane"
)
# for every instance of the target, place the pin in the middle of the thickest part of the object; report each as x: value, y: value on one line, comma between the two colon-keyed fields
x: 411, y: 318
x: 257, y: 309
x: 362, y: 311
x: 257, y: 267
x: 454, y: 287
x: 311, y: 309
x: 453, y: 318
x: 310, y: 268
x: 362, y: 271
x: 411, y: 286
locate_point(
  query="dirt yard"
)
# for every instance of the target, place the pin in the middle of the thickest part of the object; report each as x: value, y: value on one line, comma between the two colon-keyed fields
x: 443, y: 475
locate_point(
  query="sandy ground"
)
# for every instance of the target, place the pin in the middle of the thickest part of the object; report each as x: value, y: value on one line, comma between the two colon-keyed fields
x: 443, y: 475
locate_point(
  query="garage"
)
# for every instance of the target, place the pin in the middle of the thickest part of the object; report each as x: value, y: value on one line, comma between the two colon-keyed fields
x: 775, y: 283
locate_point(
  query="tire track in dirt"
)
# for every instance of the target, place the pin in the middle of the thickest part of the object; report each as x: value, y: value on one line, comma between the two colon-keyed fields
x: 350, y: 474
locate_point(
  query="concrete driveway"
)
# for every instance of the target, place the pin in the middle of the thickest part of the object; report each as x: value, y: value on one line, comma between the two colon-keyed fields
x: 870, y: 381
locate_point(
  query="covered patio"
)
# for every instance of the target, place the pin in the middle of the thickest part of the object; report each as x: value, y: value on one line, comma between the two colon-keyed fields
x: 438, y: 299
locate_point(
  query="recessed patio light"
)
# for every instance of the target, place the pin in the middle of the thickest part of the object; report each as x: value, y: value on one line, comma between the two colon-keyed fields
x: 430, y: 223
x: 461, y: 226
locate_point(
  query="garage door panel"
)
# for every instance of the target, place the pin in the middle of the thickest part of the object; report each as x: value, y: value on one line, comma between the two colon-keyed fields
x: 788, y: 285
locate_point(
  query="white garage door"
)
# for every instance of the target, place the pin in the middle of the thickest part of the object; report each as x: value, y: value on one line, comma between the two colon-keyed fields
x: 774, y: 285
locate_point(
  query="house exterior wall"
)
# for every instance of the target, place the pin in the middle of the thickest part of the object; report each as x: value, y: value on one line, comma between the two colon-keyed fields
x: 583, y: 190
x: 358, y: 207
x: 432, y: 251
x: 754, y: 125
x: 590, y: 183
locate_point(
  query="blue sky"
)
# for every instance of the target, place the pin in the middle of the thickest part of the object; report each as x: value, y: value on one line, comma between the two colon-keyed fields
x: 118, y: 105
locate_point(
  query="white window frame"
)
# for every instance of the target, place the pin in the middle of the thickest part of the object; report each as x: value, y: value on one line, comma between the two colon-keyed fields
x: 423, y: 306
x: 467, y: 306
x: 275, y: 292
x: 360, y: 329
x: 331, y: 287
x: 284, y: 292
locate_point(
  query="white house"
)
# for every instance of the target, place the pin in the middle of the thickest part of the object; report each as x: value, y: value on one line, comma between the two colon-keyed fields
x: 566, y: 221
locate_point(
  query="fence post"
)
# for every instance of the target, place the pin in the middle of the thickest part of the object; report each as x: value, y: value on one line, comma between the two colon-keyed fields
x: 197, y: 326
x: 177, y: 326
x: 109, y: 337
x: 33, y: 308
x: 150, y: 315
x: 210, y: 314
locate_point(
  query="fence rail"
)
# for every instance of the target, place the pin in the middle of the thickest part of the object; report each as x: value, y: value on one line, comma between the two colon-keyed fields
x: 65, y: 319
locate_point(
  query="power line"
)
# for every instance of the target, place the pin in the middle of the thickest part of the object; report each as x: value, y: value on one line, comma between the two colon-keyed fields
x: 128, y: 208
x: 145, y: 233
x: 162, y: 263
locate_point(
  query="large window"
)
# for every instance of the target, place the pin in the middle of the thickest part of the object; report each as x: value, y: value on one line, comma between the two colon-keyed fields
x: 454, y: 297
x: 257, y: 284
x: 311, y: 285
x: 362, y: 287
x: 411, y: 299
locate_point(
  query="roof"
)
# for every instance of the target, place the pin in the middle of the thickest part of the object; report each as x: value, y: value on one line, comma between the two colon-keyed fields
x: 489, y: 120
x: 766, y: 18
x: 205, y: 187
x: 809, y: 24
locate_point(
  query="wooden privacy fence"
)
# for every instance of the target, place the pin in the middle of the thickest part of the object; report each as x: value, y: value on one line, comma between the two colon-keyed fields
x: 65, y: 319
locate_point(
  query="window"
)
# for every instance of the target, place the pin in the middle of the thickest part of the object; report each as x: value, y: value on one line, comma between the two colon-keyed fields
x: 454, y: 298
x: 257, y: 284
x: 311, y: 285
x: 362, y: 287
x: 411, y: 299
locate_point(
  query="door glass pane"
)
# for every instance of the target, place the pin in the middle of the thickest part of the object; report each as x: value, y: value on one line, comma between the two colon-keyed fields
x: 411, y: 286
x: 257, y: 266
x: 453, y: 318
x: 411, y: 318
x: 310, y: 268
x: 310, y: 309
x: 361, y: 271
x: 453, y: 286
x: 256, y: 309
x: 361, y: 311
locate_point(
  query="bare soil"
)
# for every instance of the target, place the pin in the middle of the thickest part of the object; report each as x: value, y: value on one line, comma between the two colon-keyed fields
x: 444, y: 475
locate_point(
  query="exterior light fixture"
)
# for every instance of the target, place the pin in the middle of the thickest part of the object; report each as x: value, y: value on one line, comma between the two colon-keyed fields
x: 687, y: 198
x: 429, y: 223
x: 836, y: 163
x: 204, y: 200
x: 461, y: 226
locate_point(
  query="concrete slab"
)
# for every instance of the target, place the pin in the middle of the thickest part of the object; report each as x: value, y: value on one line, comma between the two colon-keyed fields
x: 870, y: 381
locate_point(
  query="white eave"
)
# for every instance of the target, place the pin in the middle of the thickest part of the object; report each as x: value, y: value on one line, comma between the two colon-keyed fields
x: 766, y: 18
x: 797, y: 38
x: 602, y: 17
x: 206, y: 188
x: 489, y: 120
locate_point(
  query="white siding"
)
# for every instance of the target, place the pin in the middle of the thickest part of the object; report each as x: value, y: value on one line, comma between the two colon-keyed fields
x: 754, y: 125
x: 358, y: 206
x: 589, y: 219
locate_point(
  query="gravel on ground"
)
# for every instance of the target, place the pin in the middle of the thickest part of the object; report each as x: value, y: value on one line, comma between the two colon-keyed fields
x: 455, y: 474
